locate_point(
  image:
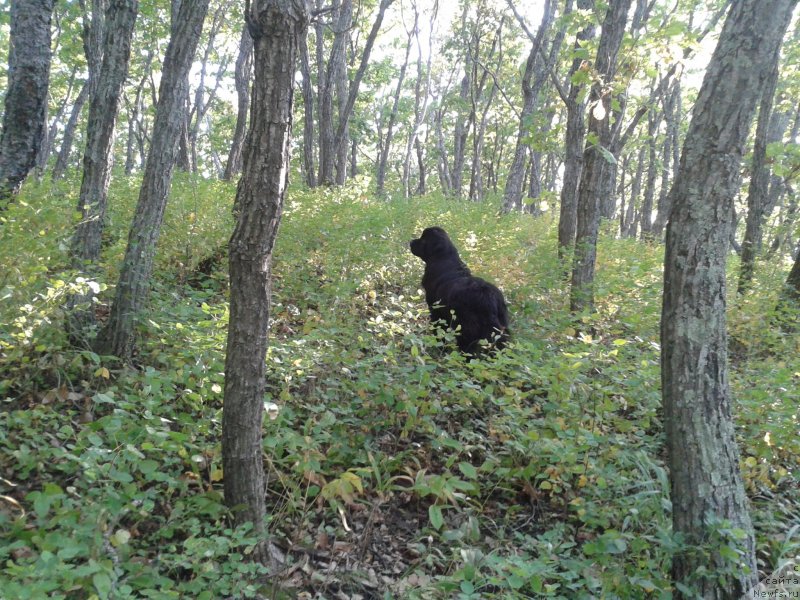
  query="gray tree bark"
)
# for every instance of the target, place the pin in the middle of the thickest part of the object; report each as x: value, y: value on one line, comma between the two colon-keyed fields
x: 759, y: 182
x: 670, y: 155
x: 531, y: 86
x: 277, y: 27
x: 26, y: 96
x: 309, y: 166
x: 242, y: 76
x: 701, y: 445
x: 118, y: 336
x: 98, y: 156
x: 573, y: 146
x: 346, y: 107
x: 595, y: 159
x: 383, y: 157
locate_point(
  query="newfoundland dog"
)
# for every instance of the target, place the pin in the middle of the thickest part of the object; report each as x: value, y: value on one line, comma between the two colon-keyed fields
x: 456, y: 297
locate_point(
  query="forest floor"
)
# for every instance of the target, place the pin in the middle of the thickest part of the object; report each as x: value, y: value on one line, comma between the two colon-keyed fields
x: 396, y: 467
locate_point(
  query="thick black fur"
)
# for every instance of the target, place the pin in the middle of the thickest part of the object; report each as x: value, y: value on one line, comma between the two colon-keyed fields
x: 455, y: 297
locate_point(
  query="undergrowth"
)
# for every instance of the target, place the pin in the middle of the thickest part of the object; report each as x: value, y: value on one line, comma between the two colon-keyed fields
x: 396, y: 467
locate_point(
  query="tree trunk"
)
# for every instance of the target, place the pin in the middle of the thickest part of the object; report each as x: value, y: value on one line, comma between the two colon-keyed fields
x: 670, y: 156
x: 118, y: 336
x: 277, y: 27
x: 383, y: 157
x: 93, y: 34
x: 309, y: 168
x: 573, y: 147
x: 646, y: 216
x: 595, y: 160
x: 242, y: 76
x: 98, y: 157
x: 531, y: 86
x: 789, y: 302
x: 103, y: 110
x: 340, y: 86
x: 346, y: 108
x: 630, y: 223
x: 759, y: 182
x: 136, y: 116
x: 421, y: 98
x: 703, y: 455
x: 26, y: 95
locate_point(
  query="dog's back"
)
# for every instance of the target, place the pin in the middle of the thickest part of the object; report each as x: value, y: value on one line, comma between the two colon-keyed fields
x: 472, y: 306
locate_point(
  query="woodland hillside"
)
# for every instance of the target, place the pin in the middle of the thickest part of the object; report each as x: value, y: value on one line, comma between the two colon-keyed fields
x: 218, y: 373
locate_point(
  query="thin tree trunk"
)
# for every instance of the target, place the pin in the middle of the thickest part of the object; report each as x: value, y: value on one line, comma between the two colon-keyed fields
x: 346, y: 108
x: 421, y: 182
x: 309, y: 168
x: 595, y: 161
x: 135, y: 115
x: 277, y: 27
x: 93, y: 34
x: 98, y: 157
x: 759, y: 182
x: 630, y: 224
x: 443, y: 165
x: 531, y: 87
x: 49, y: 139
x: 242, y: 76
x: 383, y: 157
x: 706, y: 484
x: 669, y: 156
x: 421, y: 97
x: 26, y: 95
x: 573, y: 147
x: 646, y: 216
x: 118, y: 336
x: 340, y: 85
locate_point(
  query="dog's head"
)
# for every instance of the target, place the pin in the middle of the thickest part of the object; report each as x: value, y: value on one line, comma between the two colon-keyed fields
x: 433, y: 243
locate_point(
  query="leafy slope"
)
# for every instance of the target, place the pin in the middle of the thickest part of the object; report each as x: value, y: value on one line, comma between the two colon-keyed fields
x: 396, y: 468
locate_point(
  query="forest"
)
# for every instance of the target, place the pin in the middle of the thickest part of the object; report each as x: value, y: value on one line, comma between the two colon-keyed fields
x: 222, y: 247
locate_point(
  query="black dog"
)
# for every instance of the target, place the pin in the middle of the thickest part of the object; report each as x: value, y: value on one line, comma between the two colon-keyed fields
x: 456, y: 297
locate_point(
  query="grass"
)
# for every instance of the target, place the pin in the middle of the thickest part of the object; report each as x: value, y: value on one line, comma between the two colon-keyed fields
x: 396, y: 468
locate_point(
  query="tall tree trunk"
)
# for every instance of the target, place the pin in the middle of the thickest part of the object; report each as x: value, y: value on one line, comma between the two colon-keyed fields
x: 48, y: 141
x: 98, y: 157
x: 309, y: 168
x: 702, y: 451
x: 26, y: 95
x: 789, y: 301
x: 646, y: 216
x: 136, y: 116
x: 383, y: 157
x: 442, y: 164
x: 421, y: 98
x: 670, y: 155
x: 759, y: 182
x: 515, y: 182
x: 242, y: 76
x: 629, y: 225
x: 346, y: 108
x: 93, y: 34
x: 277, y: 27
x: 340, y: 85
x: 595, y: 159
x: 421, y: 182
x: 118, y: 336
x: 573, y: 146
x: 67, y: 139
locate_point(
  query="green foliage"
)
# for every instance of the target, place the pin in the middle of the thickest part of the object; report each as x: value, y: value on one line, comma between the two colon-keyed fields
x: 535, y: 472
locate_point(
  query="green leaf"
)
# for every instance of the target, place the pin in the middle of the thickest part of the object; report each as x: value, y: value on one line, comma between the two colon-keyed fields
x: 468, y: 470
x: 436, y: 516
